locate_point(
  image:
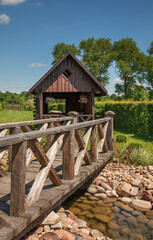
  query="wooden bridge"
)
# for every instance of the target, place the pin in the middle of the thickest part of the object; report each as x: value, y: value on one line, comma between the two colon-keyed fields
x: 39, y: 181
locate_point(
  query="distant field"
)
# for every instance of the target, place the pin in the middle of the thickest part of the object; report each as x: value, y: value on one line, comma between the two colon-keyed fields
x: 15, y: 116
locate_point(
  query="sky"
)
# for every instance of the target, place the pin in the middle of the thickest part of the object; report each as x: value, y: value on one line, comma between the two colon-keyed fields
x: 29, y: 29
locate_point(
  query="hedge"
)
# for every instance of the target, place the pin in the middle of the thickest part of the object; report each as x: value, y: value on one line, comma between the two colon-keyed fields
x: 132, y: 117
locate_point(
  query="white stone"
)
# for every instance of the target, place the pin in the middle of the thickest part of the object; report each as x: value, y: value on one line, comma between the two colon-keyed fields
x: 134, y: 191
x: 141, y: 205
x: 112, y: 193
x: 126, y: 200
x: 52, y: 218
x: 100, y: 195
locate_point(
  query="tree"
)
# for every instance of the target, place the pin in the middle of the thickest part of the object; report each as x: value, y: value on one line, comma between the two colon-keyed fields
x: 150, y: 49
x: 97, y: 56
x: 60, y: 49
x: 130, y: 63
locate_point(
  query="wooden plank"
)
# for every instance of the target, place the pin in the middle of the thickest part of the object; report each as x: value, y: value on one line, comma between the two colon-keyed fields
x: 12, y: 131
x: 2, y: 172
x: 82, y: 152
x: 103, y: 133
x: 42, y: 175
x: 35, y: 122
x: 68, y: 155
x: 42, y: 157
x: 94, y: 143
x: 18, y: 171
x: 81, y: 144
x: 6, y: 233
x: 49, y: 137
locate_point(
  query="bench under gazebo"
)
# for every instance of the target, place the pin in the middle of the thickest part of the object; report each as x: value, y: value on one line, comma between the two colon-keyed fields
x: 68, y: 79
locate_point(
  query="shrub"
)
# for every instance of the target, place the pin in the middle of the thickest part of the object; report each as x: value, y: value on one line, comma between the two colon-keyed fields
x: 141, y: 157
x: 121, y: 138
x: 133, y: 145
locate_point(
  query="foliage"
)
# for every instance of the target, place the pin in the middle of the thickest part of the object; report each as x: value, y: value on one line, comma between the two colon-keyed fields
x: 121, y: 138
x: 150, y: 49
x: 139, y: 156
x: 60, y: 49
x: 130, y: 63
x: 56, y: 106
x: 97, y: 56
x: 134, y: 145
x: 134, y: 117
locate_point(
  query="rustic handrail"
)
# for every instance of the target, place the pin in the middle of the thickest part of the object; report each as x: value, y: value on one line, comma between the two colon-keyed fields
x: 21, y: 137
x: 27, y: 123
x: 63, y: 137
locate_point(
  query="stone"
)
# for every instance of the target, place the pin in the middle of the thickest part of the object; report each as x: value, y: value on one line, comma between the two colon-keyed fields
x: 112, y: 193
x: 136, y: 182
x: 74, y: 210
x: 132, y: 221
x: 34, y: 238
x: 68, y: 236
x: 106, y: 186
x: 52, y: 218
x: 101, y: 178
x: 103, y: 218
x: 110, y: 200
x: 49, y: 236
x: 141, y: 205
x: 72, y: 216
x: 115, y: 184
x: 92, y: 189
x: 125, y: 189
x: 126, y: 200
x: 60, y: 233
x: 100, y: 195
x: 46, y: 228
x: 134, y: 191
x: 125, y: 230
x: 142, y: 218
x: 150, y: 224
x: 84, y: 207
x: 113, y: 225
x: 150, y: 186
x: 39, y: 230
x: 95, y: 233
x: 81, y: 223
x: 116, y: 209
x: 102, y: 210
x: 85, y: 230
x: 58, y: 225
x: 147, y: 195
x: 85, y: 236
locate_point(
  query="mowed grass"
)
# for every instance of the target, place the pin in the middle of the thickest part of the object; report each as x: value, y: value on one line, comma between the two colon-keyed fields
x: 8, y: 116
x: 147, y: 143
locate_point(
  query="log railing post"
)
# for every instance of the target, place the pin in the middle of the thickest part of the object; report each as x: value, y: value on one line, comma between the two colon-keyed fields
x: 94, y: 143
x: 109, y: 135
x: 14, y: 130
x: 18, y: 171
x: 68, y: 155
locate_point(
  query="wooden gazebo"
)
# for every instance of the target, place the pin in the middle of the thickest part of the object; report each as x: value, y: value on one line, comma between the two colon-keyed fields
x: 68, y: 79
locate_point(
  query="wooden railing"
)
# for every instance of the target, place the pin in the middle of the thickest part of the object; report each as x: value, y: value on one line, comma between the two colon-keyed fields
x: 70, y: 138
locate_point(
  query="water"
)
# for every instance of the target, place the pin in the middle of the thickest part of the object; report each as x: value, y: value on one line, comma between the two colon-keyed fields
x: 116, y: 220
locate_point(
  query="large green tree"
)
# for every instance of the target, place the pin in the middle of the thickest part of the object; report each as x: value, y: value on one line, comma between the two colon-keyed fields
x: 130, y: 64
x: 60, y: 49
x: 97, y: 56
x: 149, y: 66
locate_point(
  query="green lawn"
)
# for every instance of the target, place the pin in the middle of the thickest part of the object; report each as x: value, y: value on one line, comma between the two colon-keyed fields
x: 15, y: 116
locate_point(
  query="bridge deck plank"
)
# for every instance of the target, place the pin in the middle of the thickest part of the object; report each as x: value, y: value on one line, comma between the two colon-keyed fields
x: 51, y: 197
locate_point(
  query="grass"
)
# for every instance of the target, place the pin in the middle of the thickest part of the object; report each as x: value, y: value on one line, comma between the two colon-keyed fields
x: 141, y: 156
x: 8, y: 116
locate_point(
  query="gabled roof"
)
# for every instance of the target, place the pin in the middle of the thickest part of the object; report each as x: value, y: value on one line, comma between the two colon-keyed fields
x: 100, y: 87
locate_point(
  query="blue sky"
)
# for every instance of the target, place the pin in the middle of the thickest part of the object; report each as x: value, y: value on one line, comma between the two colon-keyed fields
x: 29, y: 29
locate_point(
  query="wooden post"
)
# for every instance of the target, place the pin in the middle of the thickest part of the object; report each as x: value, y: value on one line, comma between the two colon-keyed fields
x: 50, y: 137
x: 12, y: 131
x: 109, y: 135
x: 68, y: 155
x: 93, y: 104
x: 94, y: 143
x: 69, y: 150
x: 18, y: 171
x: 41, y: 105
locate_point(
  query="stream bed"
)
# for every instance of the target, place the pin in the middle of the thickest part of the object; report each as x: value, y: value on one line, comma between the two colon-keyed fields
x: 115, y: 219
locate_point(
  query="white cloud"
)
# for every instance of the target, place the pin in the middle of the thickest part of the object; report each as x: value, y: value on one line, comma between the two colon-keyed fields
x: 4, y: 19
x: 117, y: 80
x: 11, y: 2
x: 37, y: 64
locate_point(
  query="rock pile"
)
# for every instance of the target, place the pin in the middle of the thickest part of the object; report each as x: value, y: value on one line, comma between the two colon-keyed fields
x: 129, y: 184
x: 64, y: 225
